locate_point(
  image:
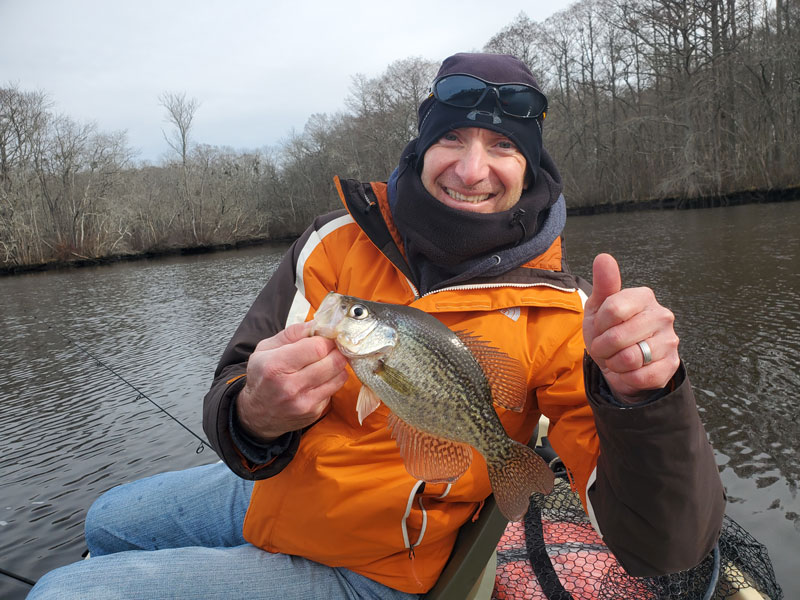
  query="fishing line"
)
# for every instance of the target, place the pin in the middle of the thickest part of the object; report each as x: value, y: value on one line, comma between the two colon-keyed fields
x: 141, y: 394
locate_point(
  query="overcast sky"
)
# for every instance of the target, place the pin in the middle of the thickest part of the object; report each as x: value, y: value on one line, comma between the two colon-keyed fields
x: 259, y: 69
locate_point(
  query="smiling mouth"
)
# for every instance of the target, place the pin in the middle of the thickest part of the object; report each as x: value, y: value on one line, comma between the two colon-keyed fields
x: 474, y: 199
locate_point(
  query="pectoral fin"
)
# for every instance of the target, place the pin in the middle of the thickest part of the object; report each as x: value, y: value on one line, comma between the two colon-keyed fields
x: 367, y: 403
x: 396, y: 380
x: 428, y: 457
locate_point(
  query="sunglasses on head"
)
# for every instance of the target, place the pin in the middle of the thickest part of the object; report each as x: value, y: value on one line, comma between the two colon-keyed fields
x: 467, y: 91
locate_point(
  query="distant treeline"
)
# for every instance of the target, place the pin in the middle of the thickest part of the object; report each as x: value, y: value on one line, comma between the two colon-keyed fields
x: 649, y: 99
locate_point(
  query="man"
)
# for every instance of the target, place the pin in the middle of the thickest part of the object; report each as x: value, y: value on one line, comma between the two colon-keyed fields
x: 468, y: 228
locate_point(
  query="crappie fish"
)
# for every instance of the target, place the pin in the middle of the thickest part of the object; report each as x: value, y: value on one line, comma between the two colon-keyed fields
x: 440, y: 386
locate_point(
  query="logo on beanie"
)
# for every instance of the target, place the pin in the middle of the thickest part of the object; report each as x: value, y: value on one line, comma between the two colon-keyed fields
x: 494, y: 116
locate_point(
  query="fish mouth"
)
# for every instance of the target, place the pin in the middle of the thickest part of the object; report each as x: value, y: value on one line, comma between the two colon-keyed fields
x: 328, y: 315
x: 355, y: 338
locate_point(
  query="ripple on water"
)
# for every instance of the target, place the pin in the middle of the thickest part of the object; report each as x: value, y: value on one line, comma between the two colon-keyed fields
x: 69, y: 429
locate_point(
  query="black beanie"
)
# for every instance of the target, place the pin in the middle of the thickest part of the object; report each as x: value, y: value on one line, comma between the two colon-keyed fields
x: 436, y: 119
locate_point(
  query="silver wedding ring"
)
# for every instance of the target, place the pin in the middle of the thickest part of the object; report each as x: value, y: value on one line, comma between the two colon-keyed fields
x: 647, y: 356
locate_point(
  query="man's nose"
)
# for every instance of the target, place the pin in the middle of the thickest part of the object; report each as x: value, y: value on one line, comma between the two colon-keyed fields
x: 473, y: 165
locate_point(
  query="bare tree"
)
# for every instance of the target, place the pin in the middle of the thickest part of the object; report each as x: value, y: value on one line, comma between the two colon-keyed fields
x: 383, y: 114
x: 524, y: 39
x: 180, y: 114
x: 649, y: 99
x: 23, y: 123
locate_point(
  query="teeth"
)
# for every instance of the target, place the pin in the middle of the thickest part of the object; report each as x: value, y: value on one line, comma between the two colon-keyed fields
x: 463, y: 198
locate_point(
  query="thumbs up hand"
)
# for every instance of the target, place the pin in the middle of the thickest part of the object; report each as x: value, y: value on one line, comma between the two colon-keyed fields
x: 615, y: 321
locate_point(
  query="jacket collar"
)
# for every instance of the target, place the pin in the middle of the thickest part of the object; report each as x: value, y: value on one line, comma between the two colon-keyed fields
x: 368, y: 204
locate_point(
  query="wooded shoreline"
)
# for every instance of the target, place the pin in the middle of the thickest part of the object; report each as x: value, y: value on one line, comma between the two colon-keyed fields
x: 651, y: 104
x: 84, y: 261
x: 735, y: 199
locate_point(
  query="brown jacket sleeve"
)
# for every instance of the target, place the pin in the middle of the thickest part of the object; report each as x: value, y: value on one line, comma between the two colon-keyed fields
x: 266, y: 317
x: 657, y: 497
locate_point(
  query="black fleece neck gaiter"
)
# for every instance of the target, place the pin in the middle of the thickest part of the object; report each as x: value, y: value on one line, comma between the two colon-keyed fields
x: 440, y: 240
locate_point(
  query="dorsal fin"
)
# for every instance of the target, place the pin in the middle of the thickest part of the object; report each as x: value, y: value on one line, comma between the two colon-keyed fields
x: 505, y: 374
x: 428, y: 457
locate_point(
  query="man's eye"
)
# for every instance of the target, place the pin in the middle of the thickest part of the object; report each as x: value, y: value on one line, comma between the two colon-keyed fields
x: 450, y: 137
x: 506, y: 144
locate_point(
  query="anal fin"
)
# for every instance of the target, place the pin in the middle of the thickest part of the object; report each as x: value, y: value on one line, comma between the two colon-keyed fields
x: 429, y: 457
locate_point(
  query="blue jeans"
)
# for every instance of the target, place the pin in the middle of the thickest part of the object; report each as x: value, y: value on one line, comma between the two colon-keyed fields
x: 179, y: 535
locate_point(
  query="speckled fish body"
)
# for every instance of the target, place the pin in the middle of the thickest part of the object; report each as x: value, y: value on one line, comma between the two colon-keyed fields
x: 440, y: 387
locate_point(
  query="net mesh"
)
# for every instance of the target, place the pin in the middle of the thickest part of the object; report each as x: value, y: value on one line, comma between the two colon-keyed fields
x: 556, y: 554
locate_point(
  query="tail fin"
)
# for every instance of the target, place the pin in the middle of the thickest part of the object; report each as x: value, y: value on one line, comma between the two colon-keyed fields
x: 513, y: 481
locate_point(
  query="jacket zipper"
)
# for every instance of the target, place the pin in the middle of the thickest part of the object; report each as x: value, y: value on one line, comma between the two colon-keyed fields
x: 483, y: 286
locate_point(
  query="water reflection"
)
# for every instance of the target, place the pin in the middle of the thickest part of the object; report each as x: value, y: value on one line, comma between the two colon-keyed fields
x: 70, y: 430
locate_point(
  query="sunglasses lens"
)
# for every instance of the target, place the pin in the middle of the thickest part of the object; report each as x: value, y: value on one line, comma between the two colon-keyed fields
x: 459, y: 90
x: 521, y: 100
x: 465, y: 91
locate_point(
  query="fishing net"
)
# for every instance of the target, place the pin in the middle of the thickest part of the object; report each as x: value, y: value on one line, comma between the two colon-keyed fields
x: 556, y: 554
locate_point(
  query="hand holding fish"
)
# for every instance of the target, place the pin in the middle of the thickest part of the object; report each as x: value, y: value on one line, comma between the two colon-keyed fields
x: 290, y: 379
x: 615, y: 321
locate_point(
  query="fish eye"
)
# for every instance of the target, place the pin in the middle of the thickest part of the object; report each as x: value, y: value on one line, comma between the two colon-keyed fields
x: 358, y: 311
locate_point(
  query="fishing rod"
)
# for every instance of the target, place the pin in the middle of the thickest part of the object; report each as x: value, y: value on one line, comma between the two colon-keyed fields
x: 19, y: 578
x: 141, y: 394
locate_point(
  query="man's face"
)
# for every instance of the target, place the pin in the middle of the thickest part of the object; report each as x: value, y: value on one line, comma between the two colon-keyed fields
x: 475, y: 169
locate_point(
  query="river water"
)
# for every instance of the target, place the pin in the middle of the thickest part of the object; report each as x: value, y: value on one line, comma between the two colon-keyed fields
x: 70, y: 429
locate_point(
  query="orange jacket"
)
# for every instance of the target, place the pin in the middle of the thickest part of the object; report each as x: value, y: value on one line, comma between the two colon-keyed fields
x: 341, y: 495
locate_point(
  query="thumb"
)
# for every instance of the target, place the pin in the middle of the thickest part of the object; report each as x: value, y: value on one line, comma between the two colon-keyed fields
x: 297, y: 331
x: 606, y: 280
